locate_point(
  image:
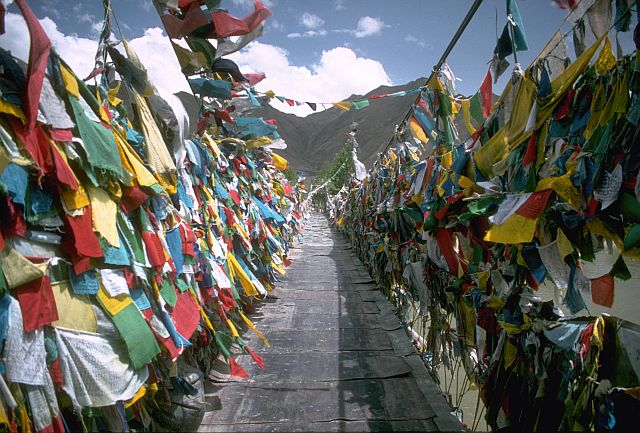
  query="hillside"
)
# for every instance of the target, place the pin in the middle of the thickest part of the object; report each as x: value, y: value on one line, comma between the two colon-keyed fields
x: 315, y: 139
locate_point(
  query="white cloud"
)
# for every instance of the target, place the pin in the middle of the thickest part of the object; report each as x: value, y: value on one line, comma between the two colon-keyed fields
x: 275, y: 24
x: 307, y: 34
x: 156, y: 54
x: 311, y: 21
x: 339, y: 5
x: 146, y: 5
x: 338, y: 74
x: 368, y: 26
x: 412, y: 39
x: 79, y: 53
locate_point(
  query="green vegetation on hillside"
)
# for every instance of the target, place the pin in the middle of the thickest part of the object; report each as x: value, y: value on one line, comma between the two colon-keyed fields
x: 342, y: 163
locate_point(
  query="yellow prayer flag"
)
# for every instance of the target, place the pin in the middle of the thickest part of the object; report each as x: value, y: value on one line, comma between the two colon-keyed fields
x: 245, y: 281
x: 466, y: 114
x: 417, y: 131
x: 113, y: 305
x: 279, y: 162
x: 447, y: 160
x: 563, y: 186
x: 70, y: 81
x: 344, y: 105
x: 74, y: 311
x: 141, y: 393
x: 606, y: 60
x: 113, y: 95
x: 258, y: 142
x: 515, y: 230
x: 14, y: 110
x: 564, y: 245
x: 103, y: 215
x: 253, y: 327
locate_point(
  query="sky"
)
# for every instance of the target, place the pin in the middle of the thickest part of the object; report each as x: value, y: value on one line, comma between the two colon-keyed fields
x: 316, y: 51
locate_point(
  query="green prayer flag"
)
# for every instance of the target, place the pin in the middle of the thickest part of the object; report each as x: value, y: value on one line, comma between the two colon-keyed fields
x: 199, y: 45
x: 519, y: 36
x: 475, y: 108
x: 132, y: 240
x: 3, y: 283
x: 168, y: 293
x: 99, y: 142
x: 620, y: 270
x: 182, y: 286
x: 224, y: 342
x: 134, y: 330
x: 360, y: 104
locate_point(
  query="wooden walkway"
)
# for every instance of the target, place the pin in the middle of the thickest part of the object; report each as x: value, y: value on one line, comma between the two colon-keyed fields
x: 339, y: 358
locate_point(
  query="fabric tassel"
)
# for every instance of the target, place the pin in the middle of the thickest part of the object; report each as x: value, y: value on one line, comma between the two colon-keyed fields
x: 252, y: 326
x: 258, y: 359
x: 236, y: 370
x: 232, y: 328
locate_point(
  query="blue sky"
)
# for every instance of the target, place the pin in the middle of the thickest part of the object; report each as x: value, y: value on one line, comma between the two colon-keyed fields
x: 325, y: 50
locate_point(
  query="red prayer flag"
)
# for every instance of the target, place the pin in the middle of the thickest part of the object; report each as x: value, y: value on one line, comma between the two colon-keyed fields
x: 61, y: 134
x: 35, y: 142
x: 155, y: 252
x: 236, y: 370
x: 259, y: 14
x: 167, y: 342
x: 566, y: 4
x: 94, y: 73
x: 565, y: 107
x: 258, y: 359
x: 38, y: 56
x: 486, y: 94
x: 446, y: 247
x: 63, y: 172
x: 227, y: 25
x: 56, y: 374
x: 602, y: 290
x: 536, y: 204
x: 223, y: 115
x: 254, y: 77
x: 185, y: 314
x: 37, y: 303
x: 2, y: 12
x: 186, y: 4
x: 532, y: 151
x: 291, y: 102
x: 226, y: 300
x: 177, y: 28
x: 132, y: 198
x: 80, y: 239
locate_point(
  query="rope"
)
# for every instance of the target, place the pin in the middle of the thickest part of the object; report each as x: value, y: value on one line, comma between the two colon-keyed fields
x: 312, y: 193
x: 436, y: 69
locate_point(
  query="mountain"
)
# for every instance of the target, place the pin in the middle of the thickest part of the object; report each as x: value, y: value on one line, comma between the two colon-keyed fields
x: 314, y: 140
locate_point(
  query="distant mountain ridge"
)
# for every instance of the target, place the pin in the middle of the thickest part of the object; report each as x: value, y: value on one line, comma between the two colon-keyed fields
x: 314, y: 140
